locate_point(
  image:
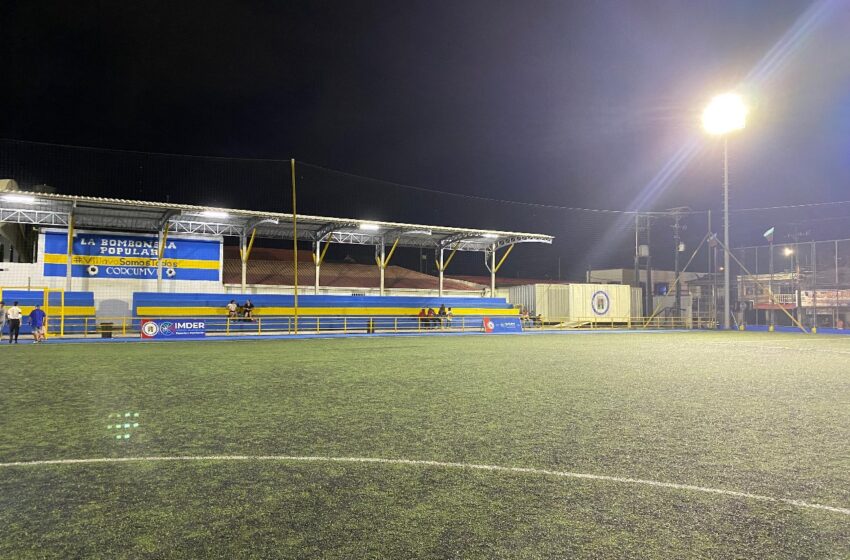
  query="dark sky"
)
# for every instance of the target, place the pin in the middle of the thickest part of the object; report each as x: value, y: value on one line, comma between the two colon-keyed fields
x: 578, y: 104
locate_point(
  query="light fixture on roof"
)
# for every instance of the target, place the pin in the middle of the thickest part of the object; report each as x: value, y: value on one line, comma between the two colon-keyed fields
x: 490, y: 236
x: 215, y: 214
x: 19, y: 198
x: 369, y: 227
x: 419, y: 231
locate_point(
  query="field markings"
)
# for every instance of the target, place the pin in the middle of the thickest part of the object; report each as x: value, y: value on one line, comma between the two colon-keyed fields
x: 438, y: 464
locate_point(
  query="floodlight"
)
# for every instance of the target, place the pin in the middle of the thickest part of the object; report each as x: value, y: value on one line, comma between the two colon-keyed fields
x: 370, y: 227
x: 789, y: 251
x: 490, y: 236
x: 19, y: 198
x: 726, y: 113
x: 215, y: 214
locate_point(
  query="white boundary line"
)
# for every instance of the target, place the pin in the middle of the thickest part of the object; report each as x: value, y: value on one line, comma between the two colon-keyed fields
x: 440, y: 464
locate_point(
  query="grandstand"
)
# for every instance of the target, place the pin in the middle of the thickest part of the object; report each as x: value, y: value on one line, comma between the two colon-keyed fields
x: 115, y: 253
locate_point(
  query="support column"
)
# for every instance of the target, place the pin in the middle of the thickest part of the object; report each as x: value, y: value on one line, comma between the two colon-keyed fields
x: 318, y: 259
x: 317, y: 255
x: 163, y: 239
x: 441, y: 268
x: 382, y: 259
x: 383, y: 266
x: 493, y: 272
x: 493, y: 267
x: 443, y: 263
x: 70, y: 256
x: 243, y: 246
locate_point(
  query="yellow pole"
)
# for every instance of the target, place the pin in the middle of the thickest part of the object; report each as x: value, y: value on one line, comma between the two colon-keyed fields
x: 70, y: 257
x: 295, y: 244
x: 508, y: 252
x: 162, y: 245
x: 387, y: 260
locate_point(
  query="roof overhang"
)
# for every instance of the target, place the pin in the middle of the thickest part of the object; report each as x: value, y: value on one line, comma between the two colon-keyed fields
x: 41, y: 209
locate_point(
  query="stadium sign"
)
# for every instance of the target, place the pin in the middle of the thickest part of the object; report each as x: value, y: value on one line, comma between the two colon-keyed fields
x: 173, y: 329
x: 114, y: 255
x: 502, y: 325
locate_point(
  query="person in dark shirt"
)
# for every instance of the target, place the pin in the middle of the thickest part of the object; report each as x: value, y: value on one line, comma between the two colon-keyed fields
x: 38, y: 322
x: 442, y: 314
x: 432, y: 318
x: 248, y: 309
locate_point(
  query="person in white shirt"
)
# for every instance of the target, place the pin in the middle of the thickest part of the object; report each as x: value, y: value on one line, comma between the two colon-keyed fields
x: 231, y: 308
x: 14, y: 315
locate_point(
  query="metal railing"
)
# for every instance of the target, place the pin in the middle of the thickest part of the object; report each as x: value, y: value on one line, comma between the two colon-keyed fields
x: 85, y: 327
x: 660, y: 322
x: 108, y: 327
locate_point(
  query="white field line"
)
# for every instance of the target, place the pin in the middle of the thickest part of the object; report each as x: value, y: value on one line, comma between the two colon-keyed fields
x: 439, y: 464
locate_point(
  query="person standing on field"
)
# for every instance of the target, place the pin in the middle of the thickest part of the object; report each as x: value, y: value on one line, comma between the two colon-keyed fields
x: 38, y: 322
x: 14, y: 315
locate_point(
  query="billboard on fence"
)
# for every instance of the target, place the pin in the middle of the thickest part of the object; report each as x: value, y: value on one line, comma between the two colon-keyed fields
x: 118, y: 255
x: 173, y: 329
x: 502, y: 325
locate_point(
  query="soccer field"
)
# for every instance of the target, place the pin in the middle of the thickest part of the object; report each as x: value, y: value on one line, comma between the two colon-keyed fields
x: 695, y: 445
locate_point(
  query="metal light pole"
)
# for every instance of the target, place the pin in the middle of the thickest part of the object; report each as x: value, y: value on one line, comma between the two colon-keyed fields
x: 725, y: 114
x: 726, y: 285
x: 770, y: 287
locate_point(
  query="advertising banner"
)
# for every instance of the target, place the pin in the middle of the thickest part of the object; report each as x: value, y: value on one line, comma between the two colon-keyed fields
x: 498, y: 325
x: 116, y: 255
x: 173, y: 329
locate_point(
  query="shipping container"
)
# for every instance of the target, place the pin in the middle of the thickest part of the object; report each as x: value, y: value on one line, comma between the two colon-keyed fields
x: 637, y: 302
x: 575, y: 303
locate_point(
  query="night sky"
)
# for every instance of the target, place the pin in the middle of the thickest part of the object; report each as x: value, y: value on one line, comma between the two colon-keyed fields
x: 577, y: 104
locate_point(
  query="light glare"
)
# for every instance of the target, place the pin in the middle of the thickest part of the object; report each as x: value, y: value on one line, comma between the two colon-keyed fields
x: 214, y: 214
x: 370, y: 227
x: 726, y: 113
x: 19, y: 198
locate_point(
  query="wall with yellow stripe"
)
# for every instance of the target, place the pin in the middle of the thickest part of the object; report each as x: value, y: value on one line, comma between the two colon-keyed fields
x: 150, y: 304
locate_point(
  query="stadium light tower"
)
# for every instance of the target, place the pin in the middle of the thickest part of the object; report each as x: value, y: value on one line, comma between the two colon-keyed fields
x: 725, y: 114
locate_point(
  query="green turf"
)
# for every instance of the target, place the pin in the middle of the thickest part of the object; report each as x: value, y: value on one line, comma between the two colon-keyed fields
x: 767, y: 414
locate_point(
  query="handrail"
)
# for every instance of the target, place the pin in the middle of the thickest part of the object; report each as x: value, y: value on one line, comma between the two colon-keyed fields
x: 346, y: 324
x: 276, y: 324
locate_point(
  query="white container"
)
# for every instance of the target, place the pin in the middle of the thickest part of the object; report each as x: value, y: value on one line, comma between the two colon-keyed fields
x: 637, y: 302
x: 575, y: 303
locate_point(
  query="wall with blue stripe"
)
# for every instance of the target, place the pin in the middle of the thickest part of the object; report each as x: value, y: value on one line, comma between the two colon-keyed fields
x: 318, y: 312
x: 177, y: 300
x: 78, y: 305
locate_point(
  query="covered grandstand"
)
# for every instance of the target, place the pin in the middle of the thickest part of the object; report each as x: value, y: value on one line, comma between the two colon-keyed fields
x: 114, y: 252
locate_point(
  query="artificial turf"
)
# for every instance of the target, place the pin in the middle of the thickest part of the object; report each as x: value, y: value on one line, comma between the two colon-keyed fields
x: 766, y: 414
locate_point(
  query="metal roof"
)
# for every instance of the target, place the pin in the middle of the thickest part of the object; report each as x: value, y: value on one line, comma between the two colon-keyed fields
x: 44, y: 209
